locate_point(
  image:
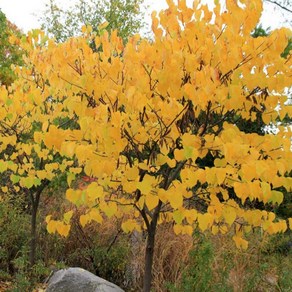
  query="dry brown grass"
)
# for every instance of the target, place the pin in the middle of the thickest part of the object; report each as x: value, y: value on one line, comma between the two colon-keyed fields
x: 239, y: 270
x: 170, y: 257
x: 244, y: 269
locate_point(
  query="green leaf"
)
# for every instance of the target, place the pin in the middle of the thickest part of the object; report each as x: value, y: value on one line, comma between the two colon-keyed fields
x: 178, y: 216
x: 9, y: 102
x: 37, y: 181
x: 28, y: 182
x: 9, y: 116
x: 70, y: 178
x: 15, y: 178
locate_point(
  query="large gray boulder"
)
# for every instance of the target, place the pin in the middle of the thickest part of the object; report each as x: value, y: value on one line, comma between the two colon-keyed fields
x: 79, y: 280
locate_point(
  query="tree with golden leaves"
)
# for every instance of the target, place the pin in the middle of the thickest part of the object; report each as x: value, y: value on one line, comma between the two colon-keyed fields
x: 158, y: 125
x: 28, y: 163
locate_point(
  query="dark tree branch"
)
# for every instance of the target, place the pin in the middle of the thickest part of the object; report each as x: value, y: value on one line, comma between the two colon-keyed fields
x: 278, y: 4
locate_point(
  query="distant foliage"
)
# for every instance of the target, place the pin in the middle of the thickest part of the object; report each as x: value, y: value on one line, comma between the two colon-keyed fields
x: 125, y: 15
x: 10, y: 54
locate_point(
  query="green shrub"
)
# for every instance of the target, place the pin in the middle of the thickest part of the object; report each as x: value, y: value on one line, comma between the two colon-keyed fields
x: 14, y: 226
x: 198, y: 275
x: 112, y: 263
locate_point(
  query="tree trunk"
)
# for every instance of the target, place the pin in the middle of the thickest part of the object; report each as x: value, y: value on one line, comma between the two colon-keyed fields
x: 150, y: 244
x: 151, y: 220
x: 35, y: 200
x: 149, y: 253
x: 33, y: 234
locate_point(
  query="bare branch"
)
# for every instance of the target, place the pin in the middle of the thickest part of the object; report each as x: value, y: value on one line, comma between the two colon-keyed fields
x: 278, y: 4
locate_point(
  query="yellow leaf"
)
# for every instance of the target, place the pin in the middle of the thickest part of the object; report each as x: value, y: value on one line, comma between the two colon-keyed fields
x: 161, y: 159
x: 27, y: 182
x: 52, y: 166
x: 129, y: 186
x: 220, y: 175
x: 223, y: 229
x: 242, y: 191
x: 240, y: 242
x: 162, y: 195
x: 94, y: 191
x: 3, y: 166
x: 141, y: 202
x: 45, y: 126
x: 187, y: 229
x: 84, y: 219
x: 276, y: 197
x: 129, y: 225
x: 41, y: 174
x: 148, y: 183
x: 178, y: 216
x: 205, y: 221
x: 171, y: 162
x: 73, y: 195
x: 266, y: 188
x: 95, y: 216
x: 177, y: 229
x: 83, y: 28
x: 132, y: 173
x: 70, y: 178
x: 175, y: 199
x: 67, y: 216
x: 51, y: 226
x: 249, y: 172
x: 280, y: 226
x: 151, y: 201
x: 220, y: 162
x: 75, y: 170
x: 48, y: 218
x: 191, y: 216
x: 103, y: 25
x: 215, y: 229
x: 68, y: 149
x: 229, y: 214
x: 63, y: 229
x: 247, y: 229
x: 4, y: 189
x: 179, y: 155
x: 109, y: 208
x: 143, y: 166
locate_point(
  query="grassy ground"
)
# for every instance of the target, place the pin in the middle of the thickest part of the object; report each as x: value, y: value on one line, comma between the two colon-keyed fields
x: 200, y: 263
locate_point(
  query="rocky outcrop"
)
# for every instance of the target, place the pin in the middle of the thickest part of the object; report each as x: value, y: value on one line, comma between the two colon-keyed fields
x: 77, y: 280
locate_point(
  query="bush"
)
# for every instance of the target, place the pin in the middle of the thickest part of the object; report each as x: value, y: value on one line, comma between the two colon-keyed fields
x: 14, y: 239
x: 14, y: 247
x: 198, y: 274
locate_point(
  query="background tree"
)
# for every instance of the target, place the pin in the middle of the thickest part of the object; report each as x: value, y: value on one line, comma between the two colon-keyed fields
x: 125, y: 15
x: 159, y: 131
x: 9, y: 53
x: 28, y: 161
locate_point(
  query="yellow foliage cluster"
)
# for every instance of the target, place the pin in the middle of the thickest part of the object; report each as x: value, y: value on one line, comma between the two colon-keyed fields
x: 143, y: 117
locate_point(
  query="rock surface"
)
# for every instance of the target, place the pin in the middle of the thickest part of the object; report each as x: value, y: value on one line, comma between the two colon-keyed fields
x: 79, y: 280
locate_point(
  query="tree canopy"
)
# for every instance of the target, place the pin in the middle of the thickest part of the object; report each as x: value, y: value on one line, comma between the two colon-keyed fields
x: 124, y: 15
x: 157, y: 125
